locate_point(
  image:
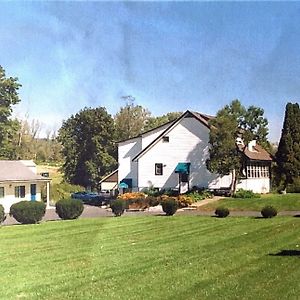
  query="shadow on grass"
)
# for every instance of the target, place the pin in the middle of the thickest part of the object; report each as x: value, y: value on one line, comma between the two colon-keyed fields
x: 296, y: 216
x: 286, y: 253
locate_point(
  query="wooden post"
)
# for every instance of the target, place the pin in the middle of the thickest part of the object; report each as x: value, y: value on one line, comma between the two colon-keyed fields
x: 48, y: 193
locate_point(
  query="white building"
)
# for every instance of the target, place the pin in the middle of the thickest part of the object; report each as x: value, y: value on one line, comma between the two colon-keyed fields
x: 19, y: 181
x: 173, y: 156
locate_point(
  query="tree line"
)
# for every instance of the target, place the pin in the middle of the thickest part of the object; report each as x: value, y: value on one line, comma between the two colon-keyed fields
x: 86, y: 143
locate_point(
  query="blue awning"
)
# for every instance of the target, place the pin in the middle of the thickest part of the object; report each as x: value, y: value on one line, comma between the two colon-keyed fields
x: 123, y: 185
x: 183, y: 168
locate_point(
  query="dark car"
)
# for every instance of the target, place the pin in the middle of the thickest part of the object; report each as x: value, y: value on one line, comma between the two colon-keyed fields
x: 90, y: 198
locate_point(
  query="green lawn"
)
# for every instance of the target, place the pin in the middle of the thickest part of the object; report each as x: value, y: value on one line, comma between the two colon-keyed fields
x: 154, y: 257
x: 280, y: 202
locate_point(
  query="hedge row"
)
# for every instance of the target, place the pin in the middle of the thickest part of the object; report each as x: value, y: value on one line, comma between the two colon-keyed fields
x: 266, y: 212
x: 32, y: 212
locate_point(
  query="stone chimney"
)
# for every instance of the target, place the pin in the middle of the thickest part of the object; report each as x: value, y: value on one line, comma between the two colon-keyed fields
x: 251, y: 146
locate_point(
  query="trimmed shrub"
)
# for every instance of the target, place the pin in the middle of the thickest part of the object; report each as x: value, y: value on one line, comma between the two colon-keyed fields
x: 2, y: 214
x: 117, y: 207
x: 241, y: 193
x: 199, y: 195
x: 69, y: 209
x: 222, y: 212
x: 269, y: 212
x: 169, y: 206
x: 184, y: 201
x: 28, y: 212
x: 152, y: 200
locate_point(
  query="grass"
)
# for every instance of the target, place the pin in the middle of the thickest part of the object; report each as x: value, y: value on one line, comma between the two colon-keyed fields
x: 54, y: 172
x: 280, y: 202
x: 179, y: 257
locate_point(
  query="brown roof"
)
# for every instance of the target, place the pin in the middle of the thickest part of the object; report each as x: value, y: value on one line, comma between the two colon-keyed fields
x: 203, y: 117
x: 259, y: 153
x: 13, y: 170
x: 112, y: 177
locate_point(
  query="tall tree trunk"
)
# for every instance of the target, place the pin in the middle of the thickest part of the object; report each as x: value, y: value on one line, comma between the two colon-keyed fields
x: 233, y: 182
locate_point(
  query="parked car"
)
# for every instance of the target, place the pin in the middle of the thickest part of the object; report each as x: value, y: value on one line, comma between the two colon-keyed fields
x: 91, y: 198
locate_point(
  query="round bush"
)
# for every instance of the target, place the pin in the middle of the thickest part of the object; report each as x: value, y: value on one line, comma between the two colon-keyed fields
x: 269, y: 212
x: 118, y: 207
x: 222, y: 212
x: 2, y: 214
x: 69, y: 209
x: 169, y: 206
x: 28, y: 212
x: 152, y: 200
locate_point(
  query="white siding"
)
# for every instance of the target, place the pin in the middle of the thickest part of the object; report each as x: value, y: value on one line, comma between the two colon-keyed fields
x: 188, y: 142
x: 129, y: 149
x: 149, y: 137
x: 220, y: 182
x: 126, y: 152
x: 107, y: 186
x: 257, y: 185
x: 9, y: 192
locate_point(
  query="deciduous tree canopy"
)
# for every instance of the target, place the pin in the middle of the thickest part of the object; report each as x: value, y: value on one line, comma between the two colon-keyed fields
x: 88, y: 146
x: 232, y: 121
x: 9, y: 96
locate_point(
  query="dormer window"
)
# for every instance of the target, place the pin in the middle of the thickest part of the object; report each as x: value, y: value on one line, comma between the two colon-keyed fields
x: 165, y: 139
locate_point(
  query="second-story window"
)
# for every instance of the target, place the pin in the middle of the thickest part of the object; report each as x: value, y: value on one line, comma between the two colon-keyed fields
x: 158, y: 169
x: 165, y: 139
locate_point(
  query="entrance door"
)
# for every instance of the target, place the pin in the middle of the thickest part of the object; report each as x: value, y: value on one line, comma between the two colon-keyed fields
x: 33, y: 192
x: 183, y: 183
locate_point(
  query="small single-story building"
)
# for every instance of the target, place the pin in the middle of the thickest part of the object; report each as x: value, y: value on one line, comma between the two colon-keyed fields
x: 110, y: 182
x: 19, y: 181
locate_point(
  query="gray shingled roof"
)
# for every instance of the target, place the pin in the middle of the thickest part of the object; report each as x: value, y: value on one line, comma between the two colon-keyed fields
x: 13, y: 170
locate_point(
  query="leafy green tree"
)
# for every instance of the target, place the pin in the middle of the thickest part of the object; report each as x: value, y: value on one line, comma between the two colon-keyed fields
x: 288, y: 154
x: 154, y: 122
x: 231, y: 122
x: 9, y: 96
x: 88, y: 147
x: 131, y: 119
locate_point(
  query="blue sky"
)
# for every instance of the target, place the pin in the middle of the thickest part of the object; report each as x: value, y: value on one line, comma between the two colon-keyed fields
x: 171, y: 56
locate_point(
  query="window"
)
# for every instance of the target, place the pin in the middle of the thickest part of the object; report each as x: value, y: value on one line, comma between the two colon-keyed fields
x: 1, y: 192
x: 184, y: 177
x: 258, y: 171
x: 165, y: 139
x: 158, y: 169
x: 20, y: 191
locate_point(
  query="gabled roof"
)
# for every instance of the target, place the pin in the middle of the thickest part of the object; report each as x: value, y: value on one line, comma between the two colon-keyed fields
x: 111, y: 177
x: 204, y: 119
x: 148, y: 131
x: 14, y: 170
x: 259, y: 153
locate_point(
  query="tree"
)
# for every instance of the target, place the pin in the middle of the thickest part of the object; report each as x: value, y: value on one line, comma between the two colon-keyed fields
x: 131, y: 120
x: 231, y: 122
x: 9, y: 96
x: 88, y: 148
x: 154, y: 122
x: 288, y: 154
